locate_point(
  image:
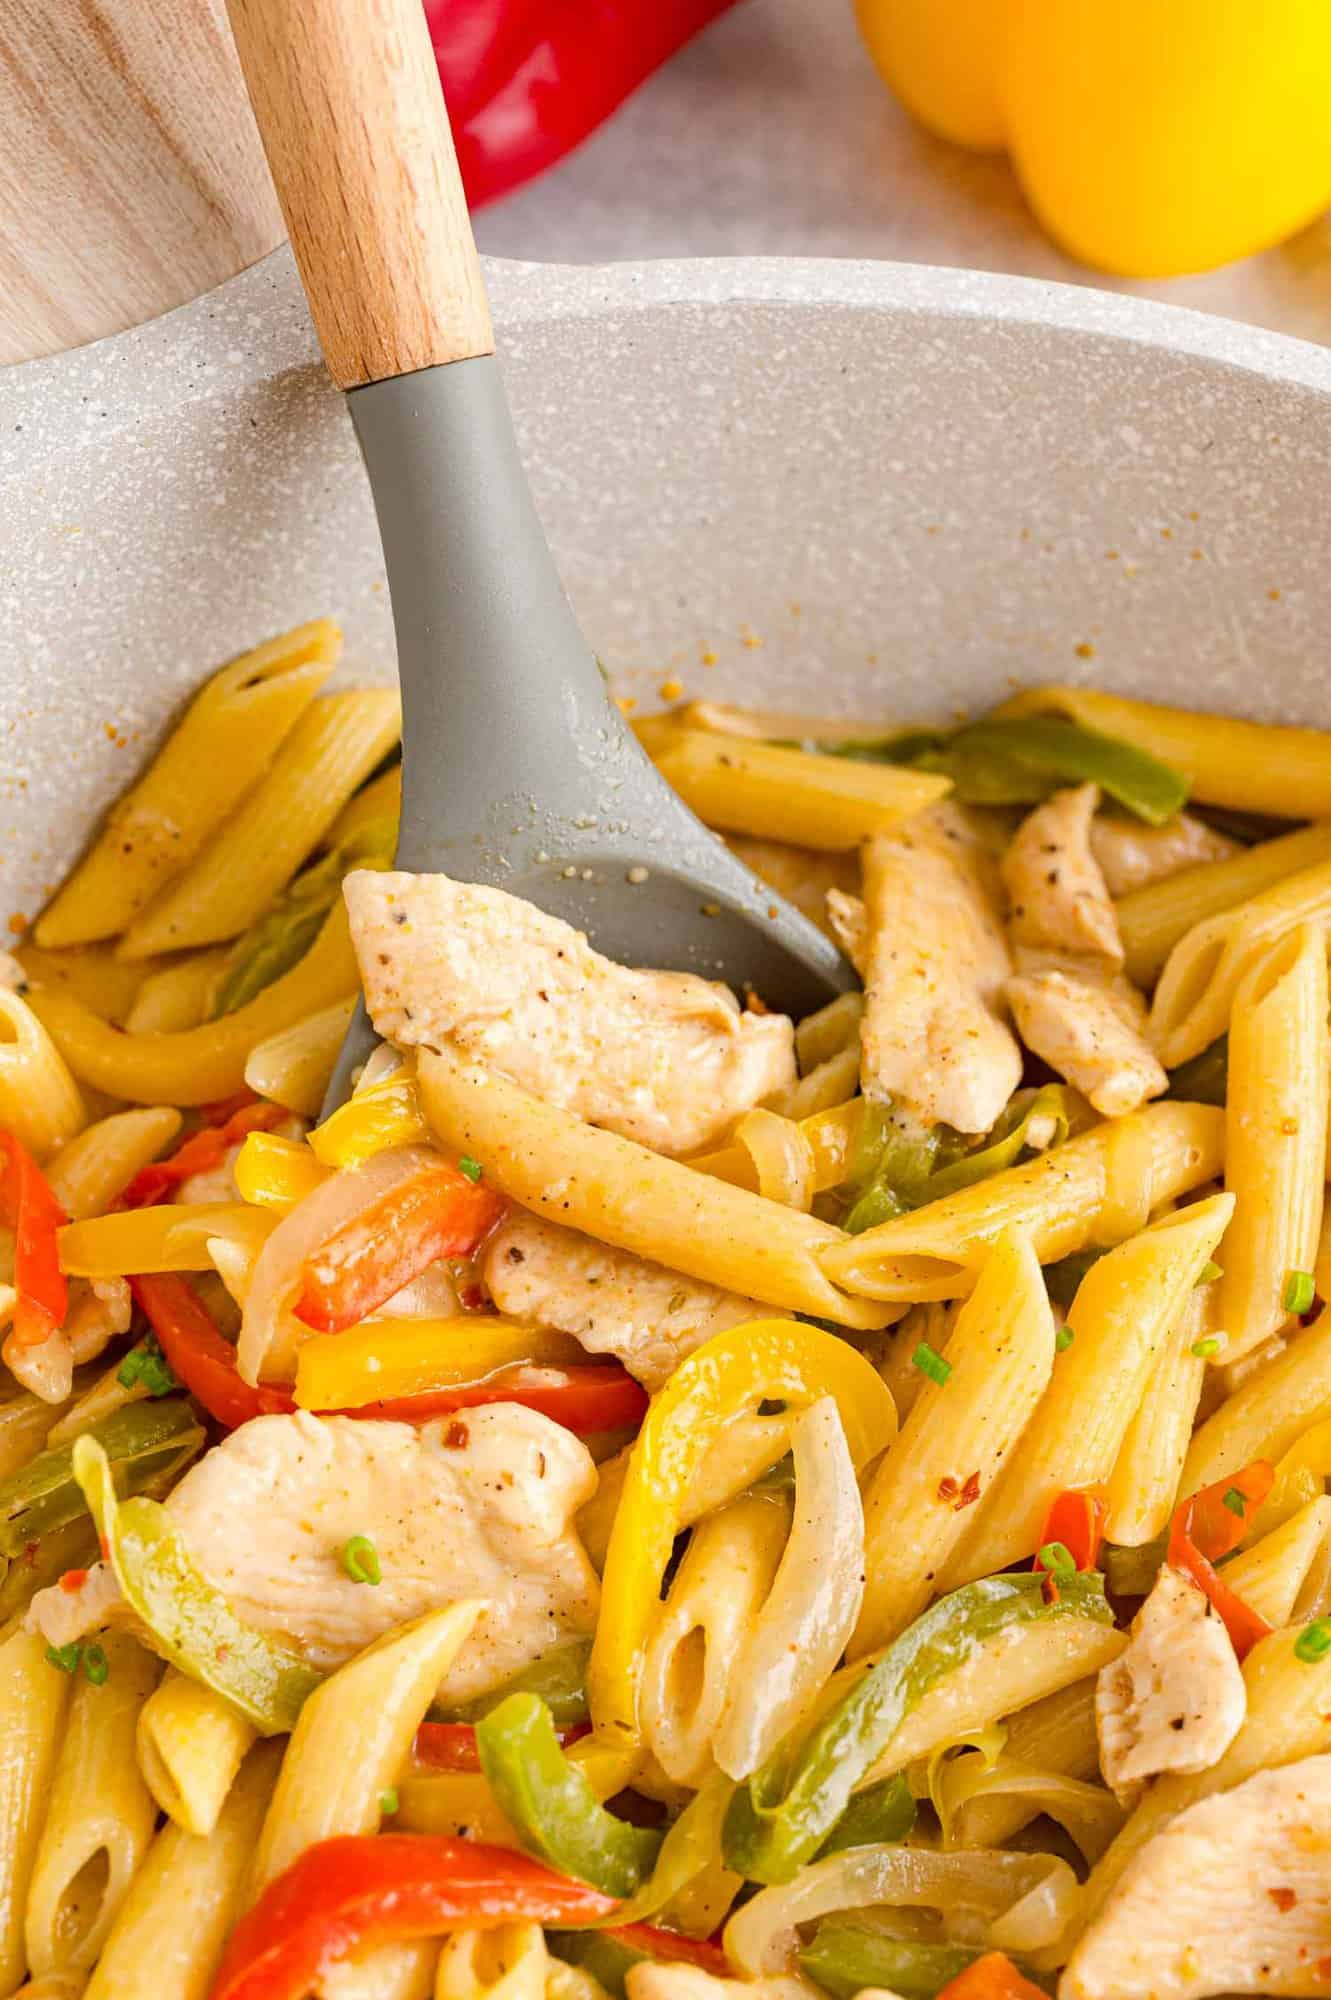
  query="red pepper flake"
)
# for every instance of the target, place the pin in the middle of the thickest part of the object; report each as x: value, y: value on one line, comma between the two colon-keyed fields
x: 457, y: 1436
x: 970, y: 1492
x: 1284, y: 1899
x: 957, y: 1494
x: 754, y: 1002
x: 73, y: 1580
x: 948, y: 1488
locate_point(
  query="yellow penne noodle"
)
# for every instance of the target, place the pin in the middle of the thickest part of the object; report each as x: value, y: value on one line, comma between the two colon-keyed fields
x: 374, y: 803
x: 93, y: 1168
x: 294, y: 1066
x: 179, y: 996
x: 223, y: 743
x: 1257, y: 767
x: 955, y: 1441
x: 34, y: 1698
x: 510, y: 1963
x: 1270, y: 1574
x: 353, y: 1737
x: 1143, y: 1486
x: 1267, y: 1413
x: 99, y: 1817
x: 1193, y: 1002
x: 249, y: 859
x: 39, y: 1099
x: 827, y: 1033
x: 55, y: 1986
x: 172, y: 1237
x: 204, y: 1064
x: 389, y: 1972
x: 1275, y: 1135
x: 1151, y: 920
x: 623, y: 1194
x: 1059, y: 1200
x: 829, y: 1083
x: 775, y: 724
x: 168, y: 1938
x: 792, y: 795
x: 190, y: 1745
x: 1126, y: 1307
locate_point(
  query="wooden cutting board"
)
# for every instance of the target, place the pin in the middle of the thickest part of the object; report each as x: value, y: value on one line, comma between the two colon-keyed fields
x: 131, y: 174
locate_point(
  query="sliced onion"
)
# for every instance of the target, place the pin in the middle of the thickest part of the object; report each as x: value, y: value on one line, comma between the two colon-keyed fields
x: 1089, y: 1814
x: 270, y: 1333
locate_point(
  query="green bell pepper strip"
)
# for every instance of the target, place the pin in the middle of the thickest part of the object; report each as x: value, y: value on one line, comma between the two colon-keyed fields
x: 284, y: 933
x: 891, y: 1172
x: 192, y: 1624
x: 1131, y: 1572
x: 844, y: 1959
x: 140, y: 1440
x: 608, y: 1959
x: 559, y: 1677
x: 879, y: 1814
x: 1005, y: 1145
x: 1204, y: 1078
x: 781, y: 1817
x: 550, y: 1804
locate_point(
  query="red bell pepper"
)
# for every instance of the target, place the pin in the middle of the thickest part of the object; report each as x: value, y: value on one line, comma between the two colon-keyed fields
x: 1076, y: 1518
x: 452, y: 1746
x: 1207, y: 1527
x: 201, y: 1152
x: 438, y: 1212
x: 348, y: 1895
x: 526, y: 84
x: 600, y: 1397
x: 31, y: 1210
x: 993, y: 1977
x: 672, y: 1947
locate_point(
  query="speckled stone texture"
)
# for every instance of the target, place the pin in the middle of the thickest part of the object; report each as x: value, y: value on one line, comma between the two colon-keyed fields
x: 861, y: 487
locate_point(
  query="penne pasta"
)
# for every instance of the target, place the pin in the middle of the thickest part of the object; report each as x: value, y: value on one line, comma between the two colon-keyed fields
x: 380, y: 800
x: 774, y: 793
x: 955, y: 1441
x: 621, y: 1193
x: 1268, y: 1411
x: 1256, y: 767
x: 1270, y: 1574
x: 33, y: 1701
x: 1153, y: 919
x: 215, y: 753
x: 190, y: 1744
x: 249, y: 858
x: 1275, y: 1135
x: 294, y: 1066
x: 87, y: 1174
x: 39, y: 1099
x: 1143, y: 1486
x: 1125, y: 1309
x: 179, y: 996
x: 99, y: 1816
x: 1060, y: 1200
x: 204, y: 1064
x: 510, y: 1963
x: 90, y: 973
x: 390, y: 1972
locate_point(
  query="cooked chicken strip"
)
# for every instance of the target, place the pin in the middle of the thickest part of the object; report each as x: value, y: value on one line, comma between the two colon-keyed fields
x: 928, y: 943
x: 477, y: 1505
x: 665, y: 1058
x: 1132, y: 855
x: 1091, y: 1029
x: 1232, y: 1896
x: 1175, y: 1700
x: 1058, y: 899
x: 612, y: 1302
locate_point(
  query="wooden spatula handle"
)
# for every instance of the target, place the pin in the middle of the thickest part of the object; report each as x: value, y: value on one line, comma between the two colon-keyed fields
x: 352, y: 117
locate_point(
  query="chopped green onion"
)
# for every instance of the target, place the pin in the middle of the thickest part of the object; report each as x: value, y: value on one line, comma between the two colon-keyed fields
x: 96, y: 1666
x: 1314, y: 1641
x: 1063, y: 1339
x: 360, y: 1560
x: 1057, y: 1557
x: 1207, y: 1349
x: 1300, y: 1291
x: 1209, y: 1272
x: 65, y: 1657
x: 146, y: 1365
x: 471, y: 1168
x: 931, y: 1363
x: 1236, y: 1501
x: 388, y: 1802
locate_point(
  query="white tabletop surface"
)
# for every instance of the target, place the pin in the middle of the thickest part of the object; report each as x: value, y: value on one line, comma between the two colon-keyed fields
x: 771, y: 134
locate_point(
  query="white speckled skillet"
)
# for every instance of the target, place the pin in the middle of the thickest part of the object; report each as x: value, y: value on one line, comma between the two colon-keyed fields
x: 860, y: 487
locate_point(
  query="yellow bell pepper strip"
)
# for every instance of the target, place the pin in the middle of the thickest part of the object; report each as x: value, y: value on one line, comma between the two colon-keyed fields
x: 781, y: 1817
x: 551, y: 1805
x: 387, y: 1114
x: 381, y: 1360
x: 173, y: 1237
x: 191, y: 1623
x: 276, y: 1173
x: 728, y: 1376
x: 1151, y: 137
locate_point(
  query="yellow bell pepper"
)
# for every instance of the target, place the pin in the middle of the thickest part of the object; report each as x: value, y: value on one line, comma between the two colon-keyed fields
x: 1151, y: 137
x: 729, y: 1375
x: 381, y: 1360
x: 276, y: 1173
x: 387, y: 1114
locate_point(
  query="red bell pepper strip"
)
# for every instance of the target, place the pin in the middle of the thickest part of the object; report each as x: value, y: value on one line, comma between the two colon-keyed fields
x: 451, y: 1746
x: 1207, y: 1527
x: 438, y: 1212
x: 673, y: 1947
x: 1076, y: 1518
x: 600, y: 1397
x: 524, y: 85
x: 348, y: 1895
x: 31, y: 1210
x: 993, y: 1977
x: 200, y: 1153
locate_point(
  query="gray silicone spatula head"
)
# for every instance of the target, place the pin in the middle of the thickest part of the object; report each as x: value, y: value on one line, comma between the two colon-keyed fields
x: 518, y: 771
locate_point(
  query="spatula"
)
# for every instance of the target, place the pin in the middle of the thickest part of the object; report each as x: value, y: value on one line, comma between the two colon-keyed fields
x: 518, y: 771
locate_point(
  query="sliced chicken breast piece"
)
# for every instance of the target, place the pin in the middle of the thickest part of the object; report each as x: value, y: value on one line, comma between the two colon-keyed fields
x: 476, y: 1505
x: 928, y: 942
x: 665, y: 1058
x: 1175, y: 1699
x: 1132, y: 855
x: 1231, y: 1896
x: 1057, y: 894
x: 1091, y: 1029
x: 612, y: 1302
